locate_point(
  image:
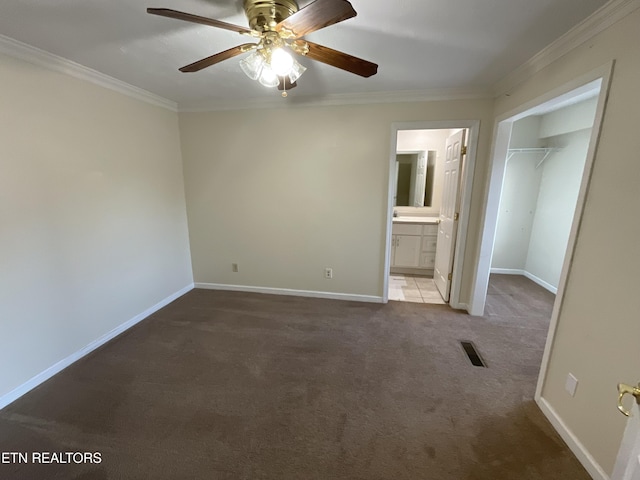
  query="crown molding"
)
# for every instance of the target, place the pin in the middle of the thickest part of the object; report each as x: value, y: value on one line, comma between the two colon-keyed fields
x: 42, y: 58
x: 407, y: 96
x: 599, y: 21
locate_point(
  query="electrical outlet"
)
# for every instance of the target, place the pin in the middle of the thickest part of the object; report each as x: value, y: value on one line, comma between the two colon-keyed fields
x: 571, y: 385
x: 234, y: 267
x: 328, y: 272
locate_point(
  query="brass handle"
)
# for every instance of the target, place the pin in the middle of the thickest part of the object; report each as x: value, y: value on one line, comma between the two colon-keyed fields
x: 624, y: 389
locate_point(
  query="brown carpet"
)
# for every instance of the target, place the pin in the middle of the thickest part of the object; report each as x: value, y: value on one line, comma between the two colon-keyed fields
x: 224, y: 385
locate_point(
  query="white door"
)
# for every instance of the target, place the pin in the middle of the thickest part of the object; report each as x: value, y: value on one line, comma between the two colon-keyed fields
x: 448, y: 214
x: 627, y: 465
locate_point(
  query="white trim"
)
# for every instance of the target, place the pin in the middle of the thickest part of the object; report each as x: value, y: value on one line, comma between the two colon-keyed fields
x: 45, y: 375
x: 42, y: 58
x: 339, y: 99
x: 601, y: 19
x: 287, y: 291
x: 466, y: 183
x: 529, y: 275
x: 508, y: 271
x: 541, y: 282
x: 493, y: 192
x: 579, y: 450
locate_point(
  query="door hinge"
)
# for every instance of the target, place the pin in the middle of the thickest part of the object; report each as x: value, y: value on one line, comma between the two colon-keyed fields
x: 463, y: 150
x: 456, y: 215
x: 450, y: 276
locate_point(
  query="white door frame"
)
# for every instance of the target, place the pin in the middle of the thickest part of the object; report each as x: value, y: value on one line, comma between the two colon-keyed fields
x: 502, y: 132
x: 466, y: 181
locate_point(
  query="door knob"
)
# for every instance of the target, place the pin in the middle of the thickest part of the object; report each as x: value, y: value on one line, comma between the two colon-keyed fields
x: 624, y: 389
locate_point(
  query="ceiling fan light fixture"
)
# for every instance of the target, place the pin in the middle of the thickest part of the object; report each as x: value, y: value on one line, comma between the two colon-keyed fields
x: 268, y: 77
x: 253, y: 65
x: 278, y: 25
x: 296, y: 71
x: 281, y: 62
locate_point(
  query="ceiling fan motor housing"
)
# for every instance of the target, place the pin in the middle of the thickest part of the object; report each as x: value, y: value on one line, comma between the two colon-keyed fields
x: 264, y: 15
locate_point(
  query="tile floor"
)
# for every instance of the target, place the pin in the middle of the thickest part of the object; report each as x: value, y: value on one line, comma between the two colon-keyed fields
x: 407, y: 288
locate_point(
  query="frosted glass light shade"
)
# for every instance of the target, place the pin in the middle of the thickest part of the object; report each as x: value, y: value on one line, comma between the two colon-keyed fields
x: 281, y: 62
x: 268, y: 77
x: 253, y: 65
x: 296, y: 71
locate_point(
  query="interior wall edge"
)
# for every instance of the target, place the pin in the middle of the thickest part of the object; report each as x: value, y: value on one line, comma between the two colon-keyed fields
x: 42, y: 58
x: 507, y: 271
x: 579, y: 450
x: 607, y: 15
x: 46, y: 374
x: 343, y: 99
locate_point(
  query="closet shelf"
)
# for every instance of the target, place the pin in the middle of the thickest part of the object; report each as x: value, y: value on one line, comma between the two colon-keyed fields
x: 545, y: 150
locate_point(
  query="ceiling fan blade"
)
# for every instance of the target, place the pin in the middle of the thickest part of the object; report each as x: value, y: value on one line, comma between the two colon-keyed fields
x: 318, y: 14
x: 218, y: 57
x: 341, y: 60
x: 167, y: 12
x: 285, y: 84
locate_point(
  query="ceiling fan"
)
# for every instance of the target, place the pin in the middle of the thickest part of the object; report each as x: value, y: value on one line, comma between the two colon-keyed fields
x: 279, y: 26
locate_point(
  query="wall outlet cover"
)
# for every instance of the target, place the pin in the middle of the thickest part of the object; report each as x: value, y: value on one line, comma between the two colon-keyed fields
x: 571, y: 385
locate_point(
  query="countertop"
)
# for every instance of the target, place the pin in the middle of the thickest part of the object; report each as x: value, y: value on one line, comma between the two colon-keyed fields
x: 417, y: 220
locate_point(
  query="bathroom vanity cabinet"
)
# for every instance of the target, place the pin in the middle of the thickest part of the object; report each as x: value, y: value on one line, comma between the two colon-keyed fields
x: 413, y: 246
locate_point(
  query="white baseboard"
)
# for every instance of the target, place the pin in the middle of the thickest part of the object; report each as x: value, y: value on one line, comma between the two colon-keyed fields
x: 287, y: 291
x: 459, y: 306
x: 582, y: 454
x: 507, y: 271
x: 530, y: 276
x: 45, y: 375
x: 541, y: 282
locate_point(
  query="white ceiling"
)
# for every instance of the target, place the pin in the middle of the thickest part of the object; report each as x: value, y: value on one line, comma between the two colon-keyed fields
x: 420, y: 45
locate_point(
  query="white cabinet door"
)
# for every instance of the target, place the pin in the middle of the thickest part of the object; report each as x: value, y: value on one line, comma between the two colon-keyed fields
x: 407, y: 251
x: 393, y: 251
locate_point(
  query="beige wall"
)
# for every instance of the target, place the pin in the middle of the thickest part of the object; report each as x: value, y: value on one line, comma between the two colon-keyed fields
x: 285, y: 193
x: 92, y: 214
x: 598, y: 330
x: 517, y: 209
x: 556, y: 204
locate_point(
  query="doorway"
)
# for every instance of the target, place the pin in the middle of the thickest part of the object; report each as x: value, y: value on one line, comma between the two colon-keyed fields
x: 422, y: 156
x: 543, y: 171
x: 595, y: 83
x: 522, y: 149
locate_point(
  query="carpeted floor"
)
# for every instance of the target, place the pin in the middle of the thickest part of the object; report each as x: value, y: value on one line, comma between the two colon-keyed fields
x: 227, y: 385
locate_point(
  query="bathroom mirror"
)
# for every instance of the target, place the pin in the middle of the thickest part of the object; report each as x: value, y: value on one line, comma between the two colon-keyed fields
x: 414, y: 178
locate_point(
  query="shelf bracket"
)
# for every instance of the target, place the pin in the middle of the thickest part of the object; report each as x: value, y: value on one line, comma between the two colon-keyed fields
x: 546, y: 155
x: 547, y: 151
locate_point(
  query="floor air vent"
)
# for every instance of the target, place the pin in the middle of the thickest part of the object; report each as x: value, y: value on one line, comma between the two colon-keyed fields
x: 472, y: 353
